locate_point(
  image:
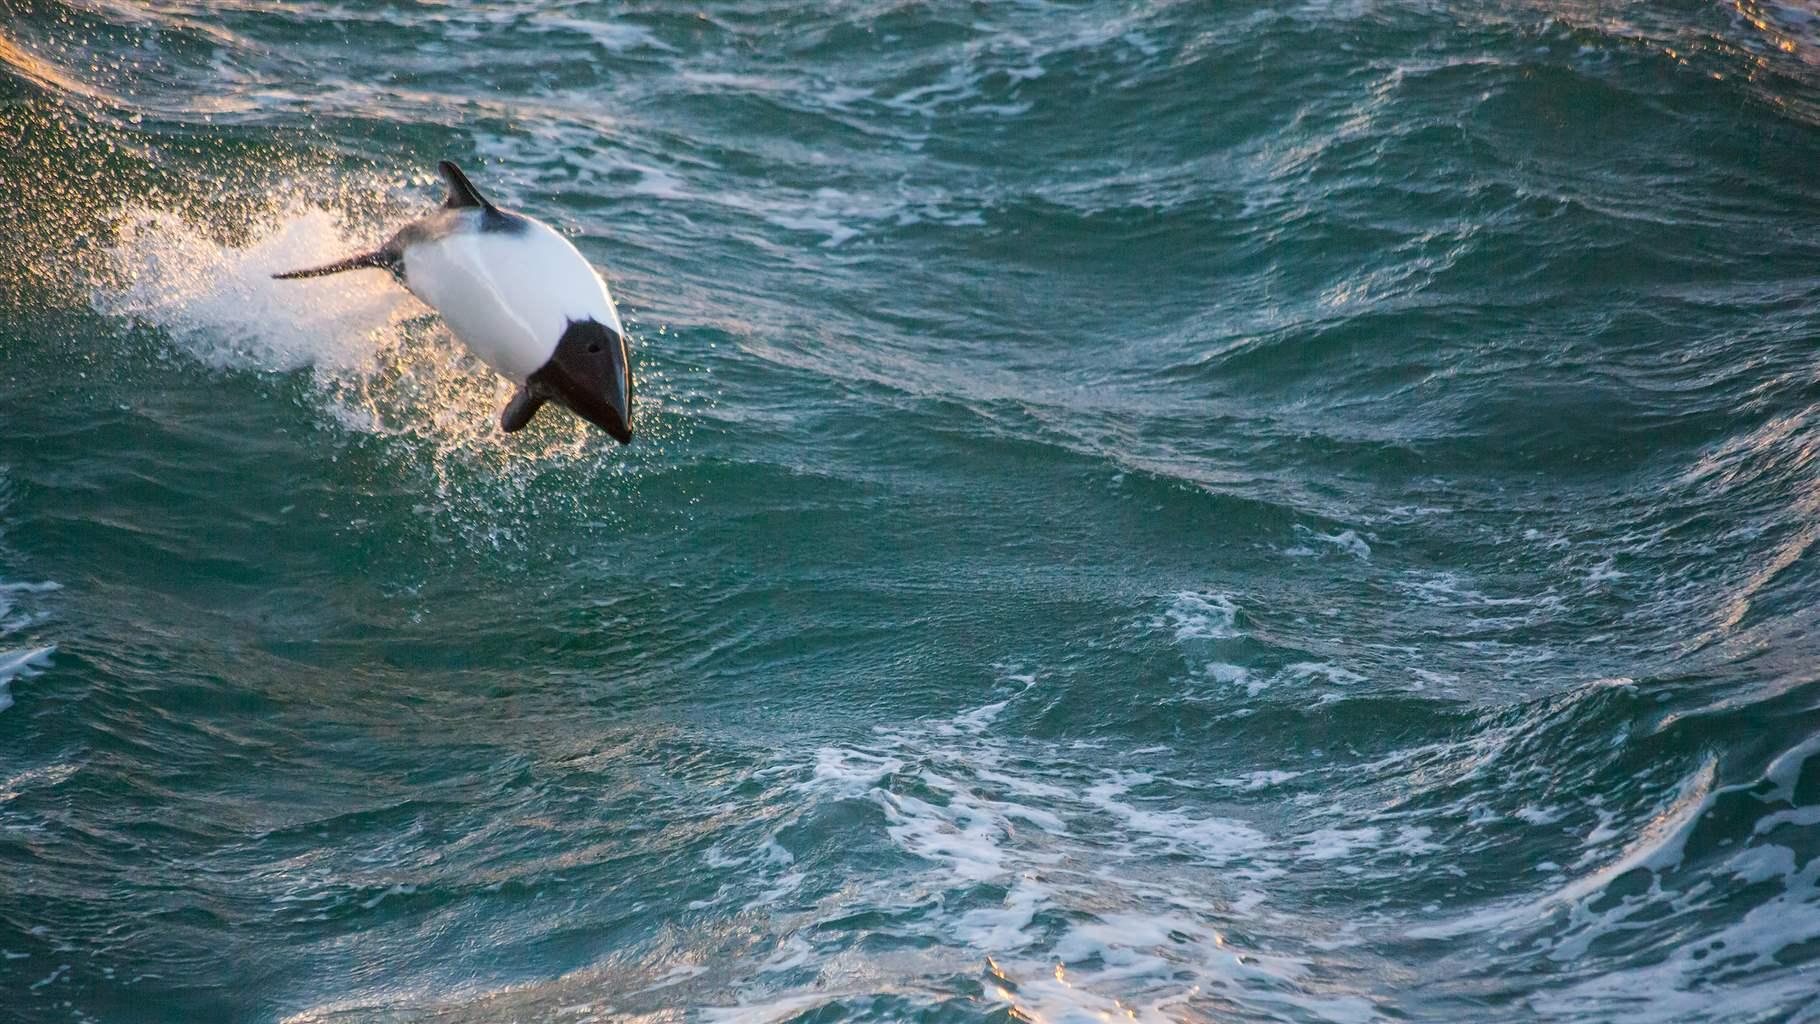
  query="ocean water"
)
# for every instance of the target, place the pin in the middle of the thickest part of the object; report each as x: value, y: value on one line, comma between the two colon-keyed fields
x: 1152, y: 511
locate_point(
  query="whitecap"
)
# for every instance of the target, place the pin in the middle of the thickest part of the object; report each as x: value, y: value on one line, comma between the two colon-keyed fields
x: 1203, y: 615
x: 21, y: 664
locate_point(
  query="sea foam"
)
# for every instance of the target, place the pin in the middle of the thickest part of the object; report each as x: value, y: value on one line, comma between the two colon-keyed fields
x: 20, y: 663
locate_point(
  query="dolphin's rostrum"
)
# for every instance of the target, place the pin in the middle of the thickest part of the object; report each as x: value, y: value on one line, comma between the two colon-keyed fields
x: 520, y: 297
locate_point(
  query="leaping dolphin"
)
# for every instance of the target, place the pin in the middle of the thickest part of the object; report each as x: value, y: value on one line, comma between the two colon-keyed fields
x: 520, y: 297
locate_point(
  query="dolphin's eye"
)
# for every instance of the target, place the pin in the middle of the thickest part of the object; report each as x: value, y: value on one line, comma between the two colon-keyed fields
x: 594, y: 347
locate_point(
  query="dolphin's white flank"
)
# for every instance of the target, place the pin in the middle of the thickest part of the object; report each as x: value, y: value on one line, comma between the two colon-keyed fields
x: 520, y: 297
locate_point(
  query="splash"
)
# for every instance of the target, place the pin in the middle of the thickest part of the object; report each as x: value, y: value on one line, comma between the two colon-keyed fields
x: 380, y: 361
x: 380, y: 369
x: 220, y: 305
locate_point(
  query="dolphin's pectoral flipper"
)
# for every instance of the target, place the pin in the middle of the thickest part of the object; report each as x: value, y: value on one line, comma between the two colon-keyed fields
x: 382, y: 259
x: 520, y: 409
x: 461, y: 191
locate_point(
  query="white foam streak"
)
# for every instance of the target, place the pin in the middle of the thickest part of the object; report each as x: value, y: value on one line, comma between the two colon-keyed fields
x: 1731, y: 972
x: 11, y: 621
x: 27, y: 662
x: 1657, y: 848
x: 20, y: 664
x: 1203, y: 616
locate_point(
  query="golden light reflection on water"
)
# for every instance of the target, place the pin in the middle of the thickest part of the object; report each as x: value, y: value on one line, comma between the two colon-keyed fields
x: 47, y: 75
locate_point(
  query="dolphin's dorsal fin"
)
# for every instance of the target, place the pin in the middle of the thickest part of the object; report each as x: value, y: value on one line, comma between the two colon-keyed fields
x: 461, y: 191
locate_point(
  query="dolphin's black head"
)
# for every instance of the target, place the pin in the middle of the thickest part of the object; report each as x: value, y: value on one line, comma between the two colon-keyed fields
x: 590, y: 374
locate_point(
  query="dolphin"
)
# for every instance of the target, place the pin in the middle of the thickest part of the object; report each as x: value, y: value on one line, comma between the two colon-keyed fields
x: 520, y: 297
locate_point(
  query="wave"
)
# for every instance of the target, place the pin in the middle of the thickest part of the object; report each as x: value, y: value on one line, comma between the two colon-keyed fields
x: 980, y: 871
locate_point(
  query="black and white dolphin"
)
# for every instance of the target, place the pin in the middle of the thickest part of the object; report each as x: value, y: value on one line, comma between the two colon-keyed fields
x: 520, y: 297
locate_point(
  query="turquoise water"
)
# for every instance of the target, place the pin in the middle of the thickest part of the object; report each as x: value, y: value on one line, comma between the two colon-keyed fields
x: 1148, y: 511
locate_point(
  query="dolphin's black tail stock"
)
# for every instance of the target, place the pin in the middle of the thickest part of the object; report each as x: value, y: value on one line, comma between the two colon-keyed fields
x: 379, y: 258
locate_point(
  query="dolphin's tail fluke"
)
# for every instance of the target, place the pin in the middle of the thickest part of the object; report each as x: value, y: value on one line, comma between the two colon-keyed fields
x: 377, y: 258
